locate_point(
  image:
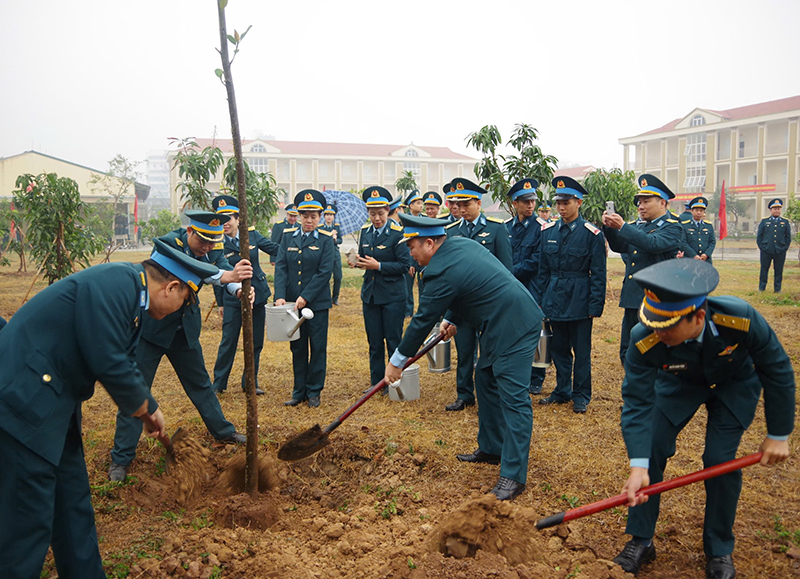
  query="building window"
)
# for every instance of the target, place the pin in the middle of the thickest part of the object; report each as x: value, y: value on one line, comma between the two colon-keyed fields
x: 258, y: 149
x: 698, y: 120
x: 412, y: 166
x: 695, y: 154
x: 411, y: 153
x: 259, y: 164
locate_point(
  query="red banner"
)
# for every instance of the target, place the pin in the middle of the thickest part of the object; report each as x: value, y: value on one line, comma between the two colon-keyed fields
x: 723, y: 214
x: 752, y: 188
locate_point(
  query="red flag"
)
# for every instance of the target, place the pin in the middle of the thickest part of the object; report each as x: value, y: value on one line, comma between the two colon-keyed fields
x: 723, y: 215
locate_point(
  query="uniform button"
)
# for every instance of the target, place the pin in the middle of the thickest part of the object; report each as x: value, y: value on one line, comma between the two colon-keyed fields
x: 635, y: 252
x: 630, y: 277
x: 47, y: 377
x: 301, y: 251
x: 299, y: 272
x: 298, y: 283
x: 713, y: 386
x: 632, y: 264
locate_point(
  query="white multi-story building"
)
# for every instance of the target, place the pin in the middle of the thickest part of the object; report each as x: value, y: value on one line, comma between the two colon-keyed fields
x: 298, y: 165
x: 754, y: 149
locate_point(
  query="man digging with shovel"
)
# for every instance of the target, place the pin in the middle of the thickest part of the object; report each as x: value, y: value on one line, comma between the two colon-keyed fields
x: 690, y: 350
x: 465, y: 282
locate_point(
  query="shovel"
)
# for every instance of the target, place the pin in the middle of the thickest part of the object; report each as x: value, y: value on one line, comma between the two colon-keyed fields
x: 169, y: 444
x: 655, y: 489
x: 315, y: 438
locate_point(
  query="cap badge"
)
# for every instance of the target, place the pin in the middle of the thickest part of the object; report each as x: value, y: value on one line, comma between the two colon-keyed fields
x: 651, y: 296
x: 309, y: 197
x: 460, y: 186
x: 221, y: 203
x: 560, y: 185
x: 644, y: 182
x: 375, y: 194
x: 214, y: 223
x: 452, y: 188
x: 527, y: 185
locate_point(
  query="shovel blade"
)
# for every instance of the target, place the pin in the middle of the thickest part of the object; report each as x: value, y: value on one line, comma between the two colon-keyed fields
x: 304, y: 444
x: 177, y: 437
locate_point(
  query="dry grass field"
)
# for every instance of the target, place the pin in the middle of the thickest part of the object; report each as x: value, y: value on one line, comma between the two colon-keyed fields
x: 384, y: 496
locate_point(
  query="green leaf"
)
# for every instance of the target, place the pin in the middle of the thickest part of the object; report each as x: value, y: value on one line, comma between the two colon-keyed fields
x: 236, y: 35
x: 231, y: 39
x: 223, y: 4
x: 218, y: 72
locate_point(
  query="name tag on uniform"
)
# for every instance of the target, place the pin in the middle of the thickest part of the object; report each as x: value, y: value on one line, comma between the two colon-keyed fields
x: 365, y: 245
x: 227, y: 255
x: 552, y: 241
x: 674, y: 367
x: 292, y: 249
x: 313, y: 247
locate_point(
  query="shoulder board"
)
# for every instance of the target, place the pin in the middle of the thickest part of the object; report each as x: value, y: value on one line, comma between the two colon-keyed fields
x: 337, y: 224
x: 251, y: 228
x: 366, y: 225
x: 672, y: 221
x: 178, y: 241
x: 645, y: 344
x: 453, y: 224
x: 707, y: 221
x: 591, y: 227
x: 509, y: 220
x: 687, y: 221
x: 632, y: 222
x: 220, y: 245
x: 289, y: 230
x: 548, y: 225
x: 325, y: 232
x: 395, y: 226
x: 495, y: 219
x: 737, y: 323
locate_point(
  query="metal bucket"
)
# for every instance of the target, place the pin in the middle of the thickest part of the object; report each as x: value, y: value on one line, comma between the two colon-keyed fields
x: 283, y: 322
x: 439, y: 356
x: 409, y: 385
x: 541, y: 357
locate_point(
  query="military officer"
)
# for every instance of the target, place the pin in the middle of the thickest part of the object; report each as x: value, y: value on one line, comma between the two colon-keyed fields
x: 469, y: 286
x: 177, y: 336
x: 525, y: 231
x: 414, y: 203
x: 492, y: 234
x: 383, y: 291
x: 277, y: 230
x: 452, y: 206
x: 432, y: 202
x: 302, y: 275
x: 93, y: 320
x: 333, y: 227
x: 655, y: 236
x: 699, y: 233
x: 773, y: 239
x: 544, y: 213
x: 232, y: 307
x: 571, y: 288
x: 692, y: 350
x: 687, y: 211
x: 394, y: 209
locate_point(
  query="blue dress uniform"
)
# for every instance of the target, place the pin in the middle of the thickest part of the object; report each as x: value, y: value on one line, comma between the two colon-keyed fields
x: 232, y: 306
x: 303, y: 269
x: 492, y: 235
x: 469, y: 287
x: 524, y: 235
x: 276, y: 234
x: 572, y: 286
x: 73, y: 333
x: 645, y: 243
x: 774, y: 238
x: 337, y: 255
x: 177, y: 337
x: 725, y: 368
x: 700, y: 236
x: 383, y: 291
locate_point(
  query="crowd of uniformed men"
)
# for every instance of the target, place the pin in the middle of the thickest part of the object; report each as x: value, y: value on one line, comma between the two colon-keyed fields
x: 489, y: 284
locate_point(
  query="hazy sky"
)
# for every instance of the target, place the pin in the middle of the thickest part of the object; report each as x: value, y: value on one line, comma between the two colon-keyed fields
x: 85, y: 79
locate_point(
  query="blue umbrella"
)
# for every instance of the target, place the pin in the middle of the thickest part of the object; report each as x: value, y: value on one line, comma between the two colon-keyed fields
x: 351, y: 211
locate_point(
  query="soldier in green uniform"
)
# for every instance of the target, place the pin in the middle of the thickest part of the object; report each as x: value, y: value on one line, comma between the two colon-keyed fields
x: 74, y: 333
x: 177, y: 337
x: 277, y: 230
x: 492, y: 234
x: 773, y: 239
x: 469, y: 286
x: 232, y: 307
x: 303, y: 275
x: 383, y: 291
x: 524, y: 232
x: 332, y: 227
x: 700, y: 236
x: 656, y: 236
x: 432, y: 202
x: 571, y: 288
x: 693, y: 350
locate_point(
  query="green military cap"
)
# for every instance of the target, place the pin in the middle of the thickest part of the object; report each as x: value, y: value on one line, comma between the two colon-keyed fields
x: 463, y: 190
x: 291, y: 209
x: 187, y: 269
x: 310, y: 200
x: 225, y: 204
x: 413, y: 196
x: 775, y: 203
x: 330, y: 209
x: 432, y: 198
x: 652, y: 186
x: 524, y: 190
x: 701, y: 202
x: 420, y: 226
x: 376, y: 196
x: 206, y: 224
x: 567, y: 187
x: 673, y: 289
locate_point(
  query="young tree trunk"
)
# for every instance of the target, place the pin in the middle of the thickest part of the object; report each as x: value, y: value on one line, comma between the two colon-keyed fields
x: 251, y: 463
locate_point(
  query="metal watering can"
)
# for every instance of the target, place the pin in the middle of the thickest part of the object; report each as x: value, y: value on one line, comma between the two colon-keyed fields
x: 542, y: 357
x: 439, y: 355
x: 284, y: 321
